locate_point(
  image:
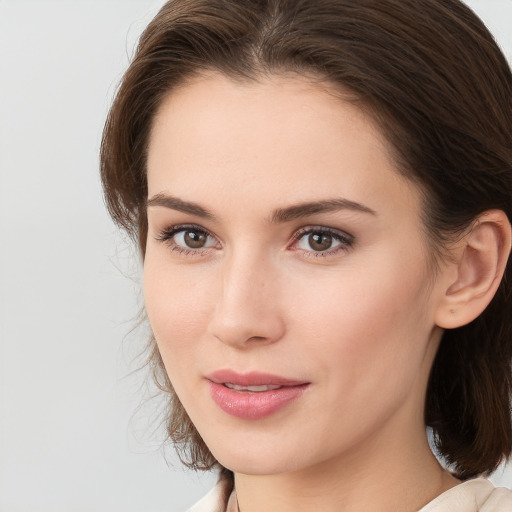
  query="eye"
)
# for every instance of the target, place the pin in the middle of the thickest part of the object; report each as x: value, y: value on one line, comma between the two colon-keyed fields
x: 187, y: 238
x: 193, y: 239
x: 323, y: 241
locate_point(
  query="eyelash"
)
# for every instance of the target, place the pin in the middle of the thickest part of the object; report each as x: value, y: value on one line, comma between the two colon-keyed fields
x: 167, y: 235
x: 345, y: 240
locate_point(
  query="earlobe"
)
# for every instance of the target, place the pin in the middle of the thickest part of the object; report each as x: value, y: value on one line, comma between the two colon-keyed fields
x: 480, y: 262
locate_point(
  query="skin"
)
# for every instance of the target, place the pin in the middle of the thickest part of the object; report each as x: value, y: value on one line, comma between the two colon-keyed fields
x: 356, y: 321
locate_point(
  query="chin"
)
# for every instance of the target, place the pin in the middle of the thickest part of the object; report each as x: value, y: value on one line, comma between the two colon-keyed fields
x: 255, y: 458
x: 259, y: 466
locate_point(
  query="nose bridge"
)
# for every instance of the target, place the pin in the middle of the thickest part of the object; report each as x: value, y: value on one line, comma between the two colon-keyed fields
x: 247, y: 308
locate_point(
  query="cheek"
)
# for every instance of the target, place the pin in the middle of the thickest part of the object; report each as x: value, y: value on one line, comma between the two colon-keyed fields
x: 177, y: 304
x: 368, y: 316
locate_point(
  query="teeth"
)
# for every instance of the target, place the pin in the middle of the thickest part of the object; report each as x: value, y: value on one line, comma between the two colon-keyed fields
x: 253, y: 389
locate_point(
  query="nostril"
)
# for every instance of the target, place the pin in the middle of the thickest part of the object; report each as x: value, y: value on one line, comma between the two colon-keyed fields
x: 256, y: 338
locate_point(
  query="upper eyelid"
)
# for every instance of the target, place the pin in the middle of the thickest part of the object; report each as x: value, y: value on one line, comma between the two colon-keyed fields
x: 322, y: 229
x: 183, y: 227
x: 300, y: 231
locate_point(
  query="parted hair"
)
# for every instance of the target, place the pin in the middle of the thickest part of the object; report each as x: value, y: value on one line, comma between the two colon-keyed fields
x: 440, y: 89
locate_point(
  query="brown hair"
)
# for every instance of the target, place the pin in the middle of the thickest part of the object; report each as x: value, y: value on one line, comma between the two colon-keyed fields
x: 432, y: 76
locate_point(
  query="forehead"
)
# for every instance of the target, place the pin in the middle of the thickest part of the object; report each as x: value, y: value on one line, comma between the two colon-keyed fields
x: 215, y: 134
x: 289, y: 99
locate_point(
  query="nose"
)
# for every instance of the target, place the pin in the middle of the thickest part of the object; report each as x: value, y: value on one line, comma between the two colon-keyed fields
x: 247, y: 311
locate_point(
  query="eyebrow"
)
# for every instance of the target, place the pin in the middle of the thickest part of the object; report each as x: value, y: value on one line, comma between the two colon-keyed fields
x: 174, y: 203
x: 325, y: 206
x: 280, y: 215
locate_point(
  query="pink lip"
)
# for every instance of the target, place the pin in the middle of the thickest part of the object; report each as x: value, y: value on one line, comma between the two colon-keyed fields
x: 253, y: 405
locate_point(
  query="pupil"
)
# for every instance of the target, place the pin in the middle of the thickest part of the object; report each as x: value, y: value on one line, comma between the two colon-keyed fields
x: 195, y: 239
x: 320, y: 242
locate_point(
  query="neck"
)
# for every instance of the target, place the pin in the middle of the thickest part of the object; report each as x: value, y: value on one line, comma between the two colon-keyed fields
x: 398, y: 477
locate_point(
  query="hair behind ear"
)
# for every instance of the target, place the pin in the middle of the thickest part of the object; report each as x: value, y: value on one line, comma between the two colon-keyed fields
x: 468, y: 397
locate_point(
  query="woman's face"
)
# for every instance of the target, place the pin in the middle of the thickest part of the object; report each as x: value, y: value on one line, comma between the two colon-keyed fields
x: 286, y: 276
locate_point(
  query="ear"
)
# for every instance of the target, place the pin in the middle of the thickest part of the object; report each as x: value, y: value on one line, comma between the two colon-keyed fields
x: 473, y: 276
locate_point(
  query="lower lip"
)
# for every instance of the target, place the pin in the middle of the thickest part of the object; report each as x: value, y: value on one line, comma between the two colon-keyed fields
x: 255, y: 405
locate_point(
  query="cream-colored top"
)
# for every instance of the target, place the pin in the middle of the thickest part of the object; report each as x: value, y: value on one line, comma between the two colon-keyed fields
x: 477, y: 495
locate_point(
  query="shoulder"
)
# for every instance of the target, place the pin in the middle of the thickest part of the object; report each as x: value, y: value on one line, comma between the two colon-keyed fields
x: 216, y: 500
x: 478, y: 495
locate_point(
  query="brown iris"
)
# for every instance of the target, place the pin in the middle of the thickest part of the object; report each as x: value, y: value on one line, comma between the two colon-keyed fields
x: 320, y: 241
x: 195, y: 239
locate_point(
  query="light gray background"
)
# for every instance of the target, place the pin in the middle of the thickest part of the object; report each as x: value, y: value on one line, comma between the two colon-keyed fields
x: 68, y: 442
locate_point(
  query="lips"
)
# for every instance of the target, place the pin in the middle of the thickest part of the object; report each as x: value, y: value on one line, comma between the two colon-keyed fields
x: 253, y: 395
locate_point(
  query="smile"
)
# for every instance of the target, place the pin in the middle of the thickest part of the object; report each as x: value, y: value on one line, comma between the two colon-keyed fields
x: 254, y: 395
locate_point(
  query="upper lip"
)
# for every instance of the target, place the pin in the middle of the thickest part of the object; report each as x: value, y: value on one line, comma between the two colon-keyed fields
x: 251, y: 378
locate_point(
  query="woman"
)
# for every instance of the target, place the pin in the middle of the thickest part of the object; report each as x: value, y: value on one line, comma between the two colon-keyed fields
x: 321, y: 192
